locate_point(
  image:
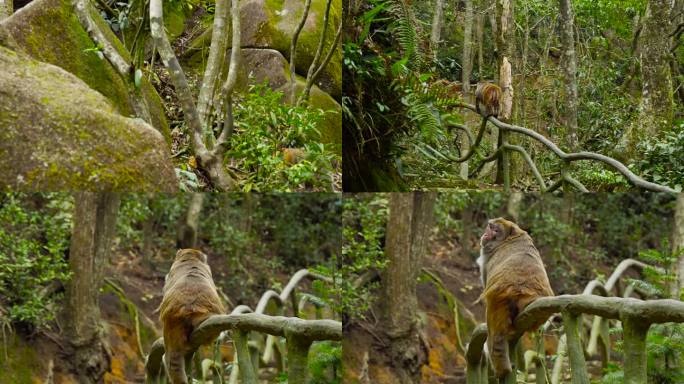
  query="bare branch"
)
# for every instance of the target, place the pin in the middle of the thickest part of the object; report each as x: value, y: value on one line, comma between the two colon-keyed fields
x: 229, y: 86
x: 180, y: 82
x: 569, y: 157
x: 293, y: 51
x: 216, y: 59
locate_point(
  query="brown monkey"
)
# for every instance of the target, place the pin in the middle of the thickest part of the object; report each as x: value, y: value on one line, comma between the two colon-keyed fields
x: 487, y: 99
x: 293, y: 156
x: 190, y: 297
x: 513, y: 275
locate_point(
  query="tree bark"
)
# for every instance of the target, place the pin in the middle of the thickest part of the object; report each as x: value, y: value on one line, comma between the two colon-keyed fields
x: 6, y: 9
x: 678, y: 245
x: 479, y: 36
x: 189, y: 224
x: 569, y: 64
x: 436, y: 33
x: 215, y: 61
x: 467, y: 68
x: 91, y: 240
x: 656, y: 108
x: 505, y: 41
x: 410, y: 220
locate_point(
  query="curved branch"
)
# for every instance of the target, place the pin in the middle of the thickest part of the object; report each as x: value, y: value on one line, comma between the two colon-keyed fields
x: 529, y: 162
x: 649, y: 312
x: 180, y: 82
x: 575, y: 183
x: 293, y: 50
x: 466, y: 130
x: 569, y: 157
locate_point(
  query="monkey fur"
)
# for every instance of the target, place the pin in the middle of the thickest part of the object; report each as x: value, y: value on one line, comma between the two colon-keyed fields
x: 190, y: 297
x: 487, y: 99
x: 513, y: 275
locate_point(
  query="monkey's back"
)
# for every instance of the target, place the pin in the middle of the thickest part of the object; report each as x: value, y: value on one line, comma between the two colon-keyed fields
x: 516, y: 269
x: 189, y: 294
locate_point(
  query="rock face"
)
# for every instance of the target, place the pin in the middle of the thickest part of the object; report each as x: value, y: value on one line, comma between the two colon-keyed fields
x: 268, y: 65
x: 270, y: 24
x: 56, y: 133
x: 49, y: 31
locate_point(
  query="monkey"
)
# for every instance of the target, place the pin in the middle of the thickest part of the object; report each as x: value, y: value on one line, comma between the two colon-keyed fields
x: 487, y: 99
x: 513, y: 275
x: 293, y: 156
x: 189, y: 298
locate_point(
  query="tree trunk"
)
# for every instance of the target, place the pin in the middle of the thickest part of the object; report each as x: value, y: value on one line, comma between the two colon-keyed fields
x: 408, y: 228
x: 91, y: 240
x: 678, y: 246
x: 6, y: 9
x: 505, y: 39
x: 479, y: 37
x: 569, y: 64
x: 437, y: 21
x: 189, y: 224
x: 467, y: 65
x: 656, y: 107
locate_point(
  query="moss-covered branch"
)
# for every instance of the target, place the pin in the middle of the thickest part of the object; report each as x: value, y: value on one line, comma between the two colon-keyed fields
x: 296, y: 330
x: 570, y: 157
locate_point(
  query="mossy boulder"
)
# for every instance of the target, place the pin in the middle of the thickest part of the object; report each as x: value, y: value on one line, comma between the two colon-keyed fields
x: 331, y: 127
x: 59, y: 134
x: 271, y: 24
x: 49, y: 31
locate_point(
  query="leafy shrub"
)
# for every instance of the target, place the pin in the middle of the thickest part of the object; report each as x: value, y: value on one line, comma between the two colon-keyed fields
x: 663, y: 159
x: 34, y: 237
x: 664, y: 342
x: 325, y: 361
x: 264, y: 127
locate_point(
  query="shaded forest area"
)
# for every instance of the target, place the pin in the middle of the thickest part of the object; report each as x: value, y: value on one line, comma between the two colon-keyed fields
x: 254, y: 243
x: 415, y: 325
x: 601, y: 77
x: 148, y: 95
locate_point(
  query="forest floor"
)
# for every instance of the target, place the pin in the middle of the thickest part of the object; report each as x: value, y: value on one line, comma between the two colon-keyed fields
x: 131, y: 294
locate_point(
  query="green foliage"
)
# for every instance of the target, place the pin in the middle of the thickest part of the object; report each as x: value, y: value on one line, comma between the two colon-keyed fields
x: 34, y: 237
x: 363, y: 231
x: 264, y: 126
x: 325, y: 362
x: 664, y: 342
x: 663, y: 158
x: 405, y: 27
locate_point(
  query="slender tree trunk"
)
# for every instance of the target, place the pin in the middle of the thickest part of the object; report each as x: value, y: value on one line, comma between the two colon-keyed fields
x: 467, y: 68
x: 678, y: 245
x: 479, y: 36
x: 505, y: 38
x: 656, y: 108
x: 408, y: 228
x: 189, y: 224
x: 216, y: 60
x: 91, y: 241
x: 437, y: 21
x: 569, y: 64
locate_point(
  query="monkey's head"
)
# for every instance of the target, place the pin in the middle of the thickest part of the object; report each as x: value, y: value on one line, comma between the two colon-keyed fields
x: 190, y: 254
x: 497, y: 231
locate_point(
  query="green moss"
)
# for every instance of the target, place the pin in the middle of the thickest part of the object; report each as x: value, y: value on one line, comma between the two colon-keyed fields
x: 22, y: 363
x: 52, y: 33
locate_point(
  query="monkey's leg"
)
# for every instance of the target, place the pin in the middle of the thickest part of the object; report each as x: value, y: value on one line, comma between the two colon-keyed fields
x: 174, y: 356
x: 175, y: 366
x: 498, y: 327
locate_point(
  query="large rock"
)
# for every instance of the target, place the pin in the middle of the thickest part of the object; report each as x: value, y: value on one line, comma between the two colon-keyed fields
x: 268, y: 65
x: 49, y: 31
x: 58, y: 134
x: 271, y: 24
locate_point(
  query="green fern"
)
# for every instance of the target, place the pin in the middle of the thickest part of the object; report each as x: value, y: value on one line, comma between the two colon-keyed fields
x: 406, y: 29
